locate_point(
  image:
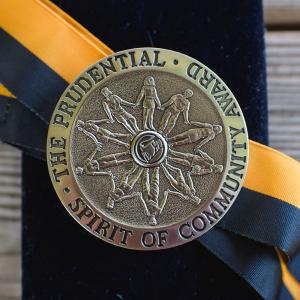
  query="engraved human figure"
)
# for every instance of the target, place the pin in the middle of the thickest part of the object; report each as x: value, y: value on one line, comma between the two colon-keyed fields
x: 205, y: 132
x: 150, y: 186
x: 114, y: 110
x: 184, y: 190
x: 177, y: 104
x: 124, y: 190
x: 199, y: 164
x: 200, y: 170
x: 114, y: 160
x: 151, y: 99
x: 92, y: 167
x: 211, y: 134
x: 91, y: 129
x: 80, y: 126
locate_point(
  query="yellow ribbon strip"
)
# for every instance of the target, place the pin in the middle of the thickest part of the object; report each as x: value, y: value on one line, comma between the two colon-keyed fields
x: 5, y: 92
x: 292, y: 285
x: 273, y: 173
x: 71, y: 47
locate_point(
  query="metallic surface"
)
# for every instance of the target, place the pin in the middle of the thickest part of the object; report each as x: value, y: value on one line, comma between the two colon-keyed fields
x: 147, y: 149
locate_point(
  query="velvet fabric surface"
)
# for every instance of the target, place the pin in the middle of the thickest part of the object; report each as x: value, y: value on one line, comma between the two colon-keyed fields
x: 63, y: 261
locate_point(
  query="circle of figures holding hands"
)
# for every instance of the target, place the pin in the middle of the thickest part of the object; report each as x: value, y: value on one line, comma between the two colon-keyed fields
x: 179, y: 168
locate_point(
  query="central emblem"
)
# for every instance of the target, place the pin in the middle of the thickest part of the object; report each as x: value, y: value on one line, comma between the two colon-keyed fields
x: 147, y: 148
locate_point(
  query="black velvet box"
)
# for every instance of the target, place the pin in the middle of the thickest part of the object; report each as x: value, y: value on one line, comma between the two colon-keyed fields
x: 63, y: 261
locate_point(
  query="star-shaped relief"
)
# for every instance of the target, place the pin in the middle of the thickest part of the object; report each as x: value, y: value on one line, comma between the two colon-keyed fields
x: 149, y: 152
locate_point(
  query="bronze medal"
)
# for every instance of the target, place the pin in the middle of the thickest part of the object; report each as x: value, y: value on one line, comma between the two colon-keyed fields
x: 147, y: 149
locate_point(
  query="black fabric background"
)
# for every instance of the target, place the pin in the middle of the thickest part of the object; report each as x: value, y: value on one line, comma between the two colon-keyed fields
x: 63, y: 261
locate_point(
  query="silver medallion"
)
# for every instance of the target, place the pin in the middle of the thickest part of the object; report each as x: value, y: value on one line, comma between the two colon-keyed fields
x: 147, y: 149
